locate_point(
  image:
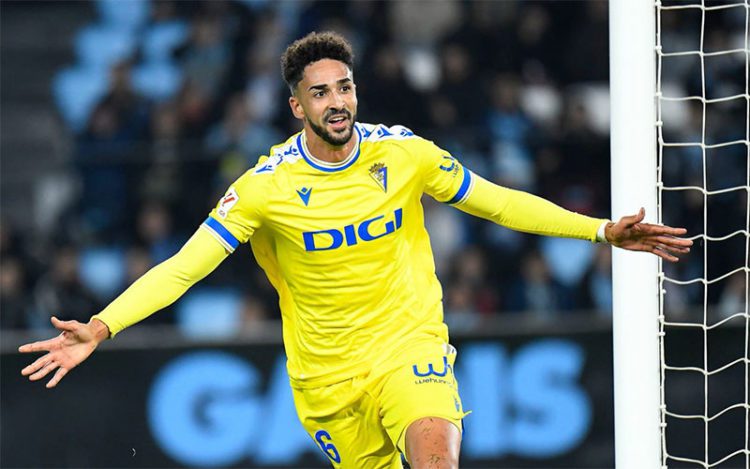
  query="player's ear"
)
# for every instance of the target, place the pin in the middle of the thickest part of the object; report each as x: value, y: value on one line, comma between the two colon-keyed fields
x: 296, y: 106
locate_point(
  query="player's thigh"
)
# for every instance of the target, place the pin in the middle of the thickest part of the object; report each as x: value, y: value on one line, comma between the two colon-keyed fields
x: 345, y: 424
x: 433, y: 442
x: 426, y: 387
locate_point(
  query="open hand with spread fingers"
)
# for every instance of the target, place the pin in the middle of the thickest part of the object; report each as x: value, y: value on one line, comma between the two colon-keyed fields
x: 74, y: 344
x: 629, y: 233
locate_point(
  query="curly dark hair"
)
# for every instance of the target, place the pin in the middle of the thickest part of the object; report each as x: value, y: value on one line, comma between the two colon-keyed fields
x: 311, y: 48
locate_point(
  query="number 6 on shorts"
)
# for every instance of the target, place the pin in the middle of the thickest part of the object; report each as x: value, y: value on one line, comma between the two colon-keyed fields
x: 328, y: 448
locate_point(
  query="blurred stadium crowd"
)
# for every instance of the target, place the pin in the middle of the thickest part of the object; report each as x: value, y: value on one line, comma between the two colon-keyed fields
x: 168, y: 102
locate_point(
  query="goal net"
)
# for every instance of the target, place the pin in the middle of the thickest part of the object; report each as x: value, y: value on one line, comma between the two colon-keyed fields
x: 703, y: 184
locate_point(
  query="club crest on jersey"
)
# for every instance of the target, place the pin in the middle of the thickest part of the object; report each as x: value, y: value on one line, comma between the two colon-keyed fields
x: 227, y: 202
x: 379, y: 173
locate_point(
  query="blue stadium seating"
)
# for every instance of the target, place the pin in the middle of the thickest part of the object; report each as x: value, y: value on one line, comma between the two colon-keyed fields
x: 159, y: 40
x: 130, y: 14
x: 102, y: 45
x: 102, y: 270
x: 77, y: 90
x: 208, y: 312
x: 157, y: 80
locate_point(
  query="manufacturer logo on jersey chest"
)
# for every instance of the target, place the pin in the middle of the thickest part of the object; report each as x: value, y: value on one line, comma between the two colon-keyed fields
x: 304, y: 194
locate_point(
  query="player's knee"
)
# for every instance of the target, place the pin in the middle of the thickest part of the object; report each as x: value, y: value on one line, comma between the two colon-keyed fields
x: 432, y: 443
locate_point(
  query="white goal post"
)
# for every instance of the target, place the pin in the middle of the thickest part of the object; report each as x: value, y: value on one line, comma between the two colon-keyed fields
x: 635, y: 283
x: 642, y: 135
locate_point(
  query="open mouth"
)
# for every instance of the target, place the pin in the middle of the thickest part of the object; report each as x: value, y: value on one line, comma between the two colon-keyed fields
x: 339, y: 121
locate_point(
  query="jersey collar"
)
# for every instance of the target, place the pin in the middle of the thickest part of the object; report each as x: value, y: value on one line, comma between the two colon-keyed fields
x: 324, y: 165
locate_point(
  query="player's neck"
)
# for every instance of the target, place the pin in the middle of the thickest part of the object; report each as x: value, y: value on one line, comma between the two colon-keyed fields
x: 324, y: 151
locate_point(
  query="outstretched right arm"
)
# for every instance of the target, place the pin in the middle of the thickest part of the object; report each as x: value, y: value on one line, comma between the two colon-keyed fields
x: 232, y: 222
x: 165, y: 283
x: 157, y: 289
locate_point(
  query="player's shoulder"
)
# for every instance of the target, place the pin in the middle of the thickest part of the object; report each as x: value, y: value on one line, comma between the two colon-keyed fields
x: 373, y: 133
x: 397, y: 135
x: 400, y: 140
x: 280, y: 158
x: 265, y: 172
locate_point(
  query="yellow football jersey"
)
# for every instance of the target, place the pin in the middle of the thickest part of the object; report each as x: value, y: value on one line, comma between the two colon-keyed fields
x: 345, y: 246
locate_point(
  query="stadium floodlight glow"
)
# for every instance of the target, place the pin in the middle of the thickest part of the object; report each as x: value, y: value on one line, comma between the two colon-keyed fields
x: 635, y: 277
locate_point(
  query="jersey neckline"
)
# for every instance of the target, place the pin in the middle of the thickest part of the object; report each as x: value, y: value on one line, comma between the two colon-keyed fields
x: 328, y: 167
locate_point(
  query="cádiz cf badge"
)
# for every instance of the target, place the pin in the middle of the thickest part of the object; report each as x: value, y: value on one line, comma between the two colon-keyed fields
x: 379, y: 173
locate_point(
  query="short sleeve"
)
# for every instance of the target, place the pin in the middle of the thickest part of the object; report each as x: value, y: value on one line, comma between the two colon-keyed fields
x: 445, y: 178
x: 239, y: 212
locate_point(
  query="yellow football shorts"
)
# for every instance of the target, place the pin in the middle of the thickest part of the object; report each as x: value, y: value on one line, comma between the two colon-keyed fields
x: 361, y: 423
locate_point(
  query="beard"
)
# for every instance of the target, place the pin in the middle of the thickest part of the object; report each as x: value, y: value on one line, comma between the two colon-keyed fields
x: 335, y: 139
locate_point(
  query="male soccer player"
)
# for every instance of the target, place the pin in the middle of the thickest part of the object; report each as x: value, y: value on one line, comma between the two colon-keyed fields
x: 334, y: 218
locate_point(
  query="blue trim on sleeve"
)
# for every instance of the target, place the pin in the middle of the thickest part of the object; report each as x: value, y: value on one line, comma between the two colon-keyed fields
x: 219, y: 229
x: 323, y: 168
x: 463, y: 190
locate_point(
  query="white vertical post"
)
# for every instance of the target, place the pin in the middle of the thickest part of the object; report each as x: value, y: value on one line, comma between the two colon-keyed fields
x: 635, y: 321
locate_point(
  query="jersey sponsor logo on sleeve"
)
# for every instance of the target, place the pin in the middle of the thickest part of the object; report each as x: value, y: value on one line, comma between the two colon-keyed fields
x: 449, y: 165
x: 227, y: 202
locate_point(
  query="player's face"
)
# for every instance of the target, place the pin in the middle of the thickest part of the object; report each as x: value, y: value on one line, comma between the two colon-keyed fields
x: 327, y: 101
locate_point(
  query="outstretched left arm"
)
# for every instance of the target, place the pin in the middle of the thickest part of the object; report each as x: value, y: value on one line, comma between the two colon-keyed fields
x: 525, y: 212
